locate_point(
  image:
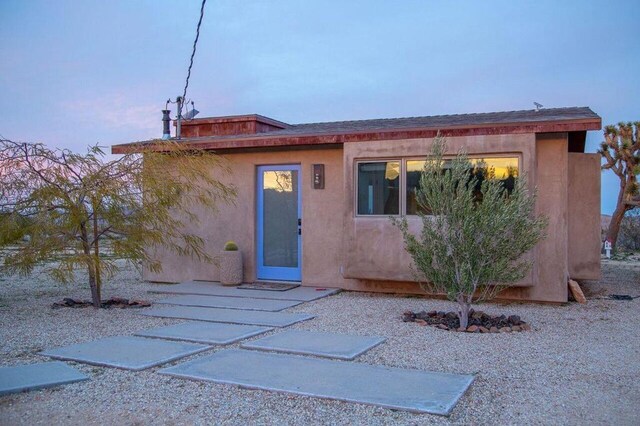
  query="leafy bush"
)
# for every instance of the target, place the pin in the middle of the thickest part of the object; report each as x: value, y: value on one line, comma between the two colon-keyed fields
x: 471, y: 245
x: 230, y: 246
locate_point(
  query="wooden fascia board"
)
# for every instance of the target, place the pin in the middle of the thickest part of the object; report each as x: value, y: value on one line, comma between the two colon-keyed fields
x: 267, y: 140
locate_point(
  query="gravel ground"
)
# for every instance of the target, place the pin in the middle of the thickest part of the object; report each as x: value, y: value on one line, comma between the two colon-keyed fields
x: 579, y: 365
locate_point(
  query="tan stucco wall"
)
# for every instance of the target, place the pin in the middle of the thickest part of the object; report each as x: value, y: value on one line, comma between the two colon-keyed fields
x: 551, y: 181
x: 367, y: 253
x: 374, y: 249
x: 321, y: 221
x: 584, y: 216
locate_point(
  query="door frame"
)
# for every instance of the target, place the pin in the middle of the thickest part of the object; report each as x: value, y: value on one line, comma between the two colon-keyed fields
x: 276, y: 273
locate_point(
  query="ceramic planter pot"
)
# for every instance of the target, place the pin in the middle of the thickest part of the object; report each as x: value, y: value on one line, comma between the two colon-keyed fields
x: 231, y: 267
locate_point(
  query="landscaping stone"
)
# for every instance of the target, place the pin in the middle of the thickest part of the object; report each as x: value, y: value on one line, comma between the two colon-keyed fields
x: 114, y: 302
x: 128, y: 352
x: 270, y: 319
x: 230, y: 302
x: 331, y: 345
x: 302, y: 294
x: 210, y: 333
x: 478, y: 321
x: 402, y: 389
x: 21, y: 378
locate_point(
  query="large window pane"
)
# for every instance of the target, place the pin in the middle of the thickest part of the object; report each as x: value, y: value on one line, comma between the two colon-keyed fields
x: 504, y: 169
x: 280, y: 218
x: 414, y: 170
x: 379, y: 188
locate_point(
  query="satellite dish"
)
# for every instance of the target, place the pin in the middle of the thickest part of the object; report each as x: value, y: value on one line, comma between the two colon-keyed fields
x: 190, y: 114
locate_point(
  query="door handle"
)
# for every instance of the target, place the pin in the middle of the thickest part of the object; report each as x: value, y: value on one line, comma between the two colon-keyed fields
x: 299, y: 226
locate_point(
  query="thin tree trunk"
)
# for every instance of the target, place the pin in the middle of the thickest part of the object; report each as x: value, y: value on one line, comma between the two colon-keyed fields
x: 616, y: 218
x: 463, y: 311
x: 86, y: 248
x: 96, y: 252
x: 95, y: 289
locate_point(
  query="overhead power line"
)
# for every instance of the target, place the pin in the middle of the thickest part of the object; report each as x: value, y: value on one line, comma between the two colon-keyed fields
x: 193, y: 53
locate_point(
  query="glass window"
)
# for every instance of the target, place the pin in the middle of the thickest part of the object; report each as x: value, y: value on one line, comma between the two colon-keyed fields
x: 280, y: 218
x: 414, y: 171
x: 504, y: 169
x: 379, y: 188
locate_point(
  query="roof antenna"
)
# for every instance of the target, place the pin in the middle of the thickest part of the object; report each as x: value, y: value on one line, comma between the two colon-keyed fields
x: 538, y: 106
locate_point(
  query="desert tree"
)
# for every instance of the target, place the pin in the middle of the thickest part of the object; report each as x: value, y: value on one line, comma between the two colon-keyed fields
x: 629, y: 237
x: 621, y: 153
x: 475, y: 233
x: 67, y: 211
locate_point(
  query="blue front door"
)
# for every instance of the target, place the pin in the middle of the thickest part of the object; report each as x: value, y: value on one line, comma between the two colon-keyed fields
x: 279, y: 240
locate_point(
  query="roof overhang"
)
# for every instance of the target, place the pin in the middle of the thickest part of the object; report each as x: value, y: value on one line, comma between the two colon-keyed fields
x: 273, y: 139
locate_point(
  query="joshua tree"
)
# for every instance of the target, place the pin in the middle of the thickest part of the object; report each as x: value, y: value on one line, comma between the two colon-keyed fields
x: 471, y: 243
x: 629, y: 237
x: 621, y: 152
x: 68, y: 211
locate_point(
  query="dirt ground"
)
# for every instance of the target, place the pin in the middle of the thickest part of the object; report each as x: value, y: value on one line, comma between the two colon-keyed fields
x: 579, y: 365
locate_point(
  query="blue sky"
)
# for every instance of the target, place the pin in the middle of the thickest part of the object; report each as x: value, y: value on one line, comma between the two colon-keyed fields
x: 74, y: 73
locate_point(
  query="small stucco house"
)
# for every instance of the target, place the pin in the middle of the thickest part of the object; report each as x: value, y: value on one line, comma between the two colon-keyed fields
x: 314, y: 199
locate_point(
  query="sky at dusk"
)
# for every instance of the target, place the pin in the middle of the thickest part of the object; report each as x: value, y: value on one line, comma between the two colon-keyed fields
x: 75, y: 73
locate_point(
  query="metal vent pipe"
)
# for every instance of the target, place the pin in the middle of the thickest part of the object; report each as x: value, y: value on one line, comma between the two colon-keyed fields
x: 166, y: 124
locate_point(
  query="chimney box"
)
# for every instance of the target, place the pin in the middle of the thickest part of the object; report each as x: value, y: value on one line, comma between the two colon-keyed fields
x: 229, y: 125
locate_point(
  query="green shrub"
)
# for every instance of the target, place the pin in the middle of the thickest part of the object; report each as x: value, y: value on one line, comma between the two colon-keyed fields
x: 471, y: 245
x: 230, y: 246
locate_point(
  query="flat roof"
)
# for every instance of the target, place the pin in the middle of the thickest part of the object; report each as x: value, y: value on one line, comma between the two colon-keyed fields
x: 545, y: 120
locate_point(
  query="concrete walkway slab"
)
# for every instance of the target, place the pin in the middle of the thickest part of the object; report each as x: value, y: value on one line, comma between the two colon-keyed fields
x: 411, y: 390
x: 211, y: 288
x: 331, y: 345
x: 210, y: 333
x: 42, y: 375
x: 269, y: 319
x: 243, y: 303
x: 128, y: 352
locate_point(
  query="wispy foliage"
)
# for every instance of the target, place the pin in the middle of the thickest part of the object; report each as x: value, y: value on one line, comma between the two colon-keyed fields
x: 472, y: 242
x: 70, y: 211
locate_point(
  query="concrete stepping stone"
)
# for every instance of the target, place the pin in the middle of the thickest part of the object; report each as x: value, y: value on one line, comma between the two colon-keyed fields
x: 128, y: 352
x: 269, y: 319
x: 402, y: 389
x: 230, y: 302
x: 210, y: 333
x: 211, y: 288
x: 42, y: 375
x: 331, y: 345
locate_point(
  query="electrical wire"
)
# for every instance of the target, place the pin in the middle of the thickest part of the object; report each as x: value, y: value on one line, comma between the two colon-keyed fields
x: 193, y: 53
